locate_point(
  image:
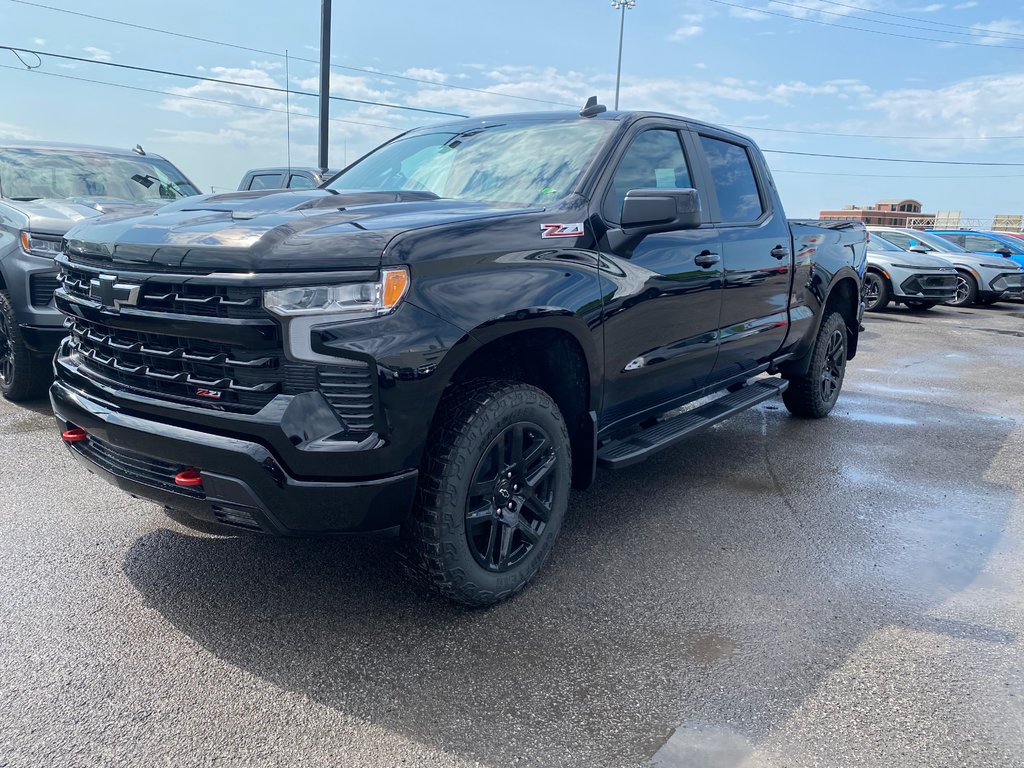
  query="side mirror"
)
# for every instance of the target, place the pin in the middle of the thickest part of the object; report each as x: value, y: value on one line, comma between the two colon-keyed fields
x: 919, y: 249
x: 648, y: 211
x: 1004, y: 251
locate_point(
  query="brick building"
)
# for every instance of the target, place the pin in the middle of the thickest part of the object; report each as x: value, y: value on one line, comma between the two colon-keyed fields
x: 887, y: 213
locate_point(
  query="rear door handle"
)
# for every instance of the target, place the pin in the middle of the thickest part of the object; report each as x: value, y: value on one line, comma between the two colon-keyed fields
x: 706, y: 259
x: 780, y: 251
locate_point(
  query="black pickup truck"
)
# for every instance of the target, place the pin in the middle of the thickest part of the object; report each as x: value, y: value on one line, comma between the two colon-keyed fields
x: 461, y: 326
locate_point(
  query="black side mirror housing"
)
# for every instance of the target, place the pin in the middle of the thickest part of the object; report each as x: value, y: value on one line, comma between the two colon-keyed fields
x: 647, y: 211
x: 1004, y: 251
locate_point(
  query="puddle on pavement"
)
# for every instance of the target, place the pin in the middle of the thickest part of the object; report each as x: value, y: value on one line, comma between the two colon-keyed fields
x: 905, y: 391
x: 1001, y: 331
x: 876, y: 418
x: 707, y: 649
x: 697, y: 744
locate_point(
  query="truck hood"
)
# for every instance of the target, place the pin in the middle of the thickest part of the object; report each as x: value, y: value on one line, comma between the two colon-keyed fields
x: 315, y: 229
x: 56, y: 216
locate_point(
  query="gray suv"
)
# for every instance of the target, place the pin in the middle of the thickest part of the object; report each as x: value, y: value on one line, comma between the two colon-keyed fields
x: 45, y: 189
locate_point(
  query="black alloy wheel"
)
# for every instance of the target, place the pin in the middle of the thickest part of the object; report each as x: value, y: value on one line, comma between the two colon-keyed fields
x: 876, y: 292
x: 511, y: 496
x: 834, y: 365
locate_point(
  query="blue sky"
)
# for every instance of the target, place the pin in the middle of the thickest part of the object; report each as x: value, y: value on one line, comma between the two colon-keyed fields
x: 771, y: 67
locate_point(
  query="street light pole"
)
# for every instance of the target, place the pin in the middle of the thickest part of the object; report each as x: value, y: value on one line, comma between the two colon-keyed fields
x: 622, y: 6
x: 325, y: 80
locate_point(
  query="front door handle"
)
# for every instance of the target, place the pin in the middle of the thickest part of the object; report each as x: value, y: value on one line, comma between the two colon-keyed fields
x: 780, y: 252
x: 706, y: 259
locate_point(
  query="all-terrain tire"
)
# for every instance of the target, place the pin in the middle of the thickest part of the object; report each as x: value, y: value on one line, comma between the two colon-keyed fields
x: 448, y: 540
x: 813, y: 394
x: 23, y: 375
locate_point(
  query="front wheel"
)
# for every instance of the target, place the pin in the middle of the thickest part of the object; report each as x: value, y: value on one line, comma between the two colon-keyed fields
x: 876, y: 292
x: 493, y: 491
x: 814, y: 393
x: 966, y: 290
x: 22, y: 374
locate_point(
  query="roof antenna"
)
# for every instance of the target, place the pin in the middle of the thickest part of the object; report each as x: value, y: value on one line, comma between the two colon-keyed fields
x: 592, y: 108
x: 139, y: 150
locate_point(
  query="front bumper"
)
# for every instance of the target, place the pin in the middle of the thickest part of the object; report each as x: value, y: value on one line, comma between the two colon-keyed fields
x: 1007, y: 285
x: 924, y: 286
x: 243, y: 484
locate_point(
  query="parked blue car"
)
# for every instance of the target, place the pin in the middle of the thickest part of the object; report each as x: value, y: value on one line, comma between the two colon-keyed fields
x: 993, y: 243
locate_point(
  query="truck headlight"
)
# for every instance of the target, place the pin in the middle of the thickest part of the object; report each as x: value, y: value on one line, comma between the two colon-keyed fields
x: 47, y: 246
x: 306, y: 308
x: 347, y: 300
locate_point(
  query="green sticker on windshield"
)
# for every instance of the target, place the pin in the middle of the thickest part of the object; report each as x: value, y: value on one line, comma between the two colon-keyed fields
x: 548, y: 191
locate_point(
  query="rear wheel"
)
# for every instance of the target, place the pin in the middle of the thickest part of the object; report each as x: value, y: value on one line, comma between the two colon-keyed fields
x: 966, y: 290
x: 920, y: 305
x: 493, y: 492
x: 814, y: 393
x: 876, y: 292
x: 22, y: 375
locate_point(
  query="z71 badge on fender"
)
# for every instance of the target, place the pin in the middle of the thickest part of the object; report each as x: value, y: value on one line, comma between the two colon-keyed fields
x: 561, y: 230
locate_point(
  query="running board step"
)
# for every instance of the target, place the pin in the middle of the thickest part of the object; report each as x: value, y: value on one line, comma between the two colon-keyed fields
x: 617, y: 454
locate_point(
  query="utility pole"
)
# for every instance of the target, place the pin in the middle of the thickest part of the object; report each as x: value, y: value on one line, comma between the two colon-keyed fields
x: 325, y: 79
x: 622, y: 6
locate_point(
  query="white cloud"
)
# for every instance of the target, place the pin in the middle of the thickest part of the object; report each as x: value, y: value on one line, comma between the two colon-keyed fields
x: 684, y: 32
x: 932, y: 8
x: 965, y: 6
x: 17, y: 132
x: 1011, y: 26
x: 701, y: 65
x: 748, y: 14
x: 432, y: 75
x: 39, y: 41
x: 97, y: 54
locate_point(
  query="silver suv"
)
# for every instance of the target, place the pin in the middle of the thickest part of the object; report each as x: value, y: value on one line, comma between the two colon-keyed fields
x: 45, y: 189
x: 981, y: 278
x: 919, y: 280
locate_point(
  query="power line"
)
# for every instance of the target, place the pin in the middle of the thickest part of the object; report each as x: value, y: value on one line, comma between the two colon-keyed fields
x: 972, y: 33
x: 196, y: 98
x: 236, y: 83
x: 871, y: 135
x: 791, y: 17
x: 236, y: 46
x: 892, y: 159
x: 987, y: 30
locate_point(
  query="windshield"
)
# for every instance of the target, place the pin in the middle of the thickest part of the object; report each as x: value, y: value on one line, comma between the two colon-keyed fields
x: 528, y: 163
x: 877, y: 243
x: 29, y: 174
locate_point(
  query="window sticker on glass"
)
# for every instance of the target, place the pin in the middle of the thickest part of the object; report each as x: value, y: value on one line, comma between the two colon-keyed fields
x: 665, y: 178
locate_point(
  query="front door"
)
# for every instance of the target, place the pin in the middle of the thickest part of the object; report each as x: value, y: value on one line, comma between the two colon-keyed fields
x: 662, y: 298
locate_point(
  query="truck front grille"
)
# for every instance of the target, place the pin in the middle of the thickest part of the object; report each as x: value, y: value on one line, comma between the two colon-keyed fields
x: 133, y: 466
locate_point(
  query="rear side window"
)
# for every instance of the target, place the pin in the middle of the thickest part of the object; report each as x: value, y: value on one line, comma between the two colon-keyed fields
x: 300, y: 182
x: 654, y: 160
x: 956, y: 239
x: 266, y: 181
x: 739, y: 199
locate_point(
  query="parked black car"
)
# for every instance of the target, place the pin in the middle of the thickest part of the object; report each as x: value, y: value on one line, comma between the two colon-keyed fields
x: 45, y: 189
x: 461, y: 325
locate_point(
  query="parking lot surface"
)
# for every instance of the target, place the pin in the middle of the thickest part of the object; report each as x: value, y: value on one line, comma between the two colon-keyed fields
x: 776, y: 592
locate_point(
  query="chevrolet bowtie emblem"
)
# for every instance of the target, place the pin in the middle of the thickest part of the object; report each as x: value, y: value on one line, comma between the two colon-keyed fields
x: 111, y: 294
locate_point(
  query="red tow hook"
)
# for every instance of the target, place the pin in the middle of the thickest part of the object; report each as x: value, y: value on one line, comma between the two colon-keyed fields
x: 188, y: 478
x: 75, y: 435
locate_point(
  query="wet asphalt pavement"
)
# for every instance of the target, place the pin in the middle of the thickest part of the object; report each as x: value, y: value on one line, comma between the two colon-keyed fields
x: 776, y: 592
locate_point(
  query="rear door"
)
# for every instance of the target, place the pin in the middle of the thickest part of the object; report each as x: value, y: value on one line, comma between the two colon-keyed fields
x: 662, y: 302
x: 756, y: 256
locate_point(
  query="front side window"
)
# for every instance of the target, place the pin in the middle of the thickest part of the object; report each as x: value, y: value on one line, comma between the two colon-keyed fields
x: 955, y: 239
x: 982, y: 243
x: 300, y: 182
x: 31, y: 174
x: 266, y: 181
x: 739, y: 199
x: 515, y: 163
x: 654, y: 160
